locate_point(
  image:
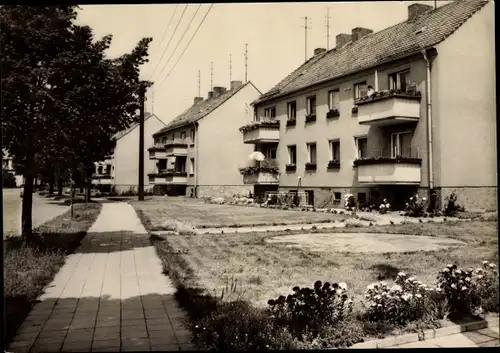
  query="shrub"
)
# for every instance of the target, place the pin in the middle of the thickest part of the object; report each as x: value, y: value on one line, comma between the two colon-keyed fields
x: 349, y: 202
x: 384, y: 207
x: 353, y: 223
x: 8, y: 179
x: 415, y: 207
x: 452, y: 207
x: 310, y: 310
x: 402, y: 303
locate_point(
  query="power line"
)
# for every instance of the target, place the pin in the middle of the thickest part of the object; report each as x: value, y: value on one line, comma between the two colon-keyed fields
x: 180, y: 40
x: 194, y: 34
x: 171, y: 37
x: 166, y: 30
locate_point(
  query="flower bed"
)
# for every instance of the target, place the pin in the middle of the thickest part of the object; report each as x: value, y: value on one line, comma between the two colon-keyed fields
x: 258, y: 124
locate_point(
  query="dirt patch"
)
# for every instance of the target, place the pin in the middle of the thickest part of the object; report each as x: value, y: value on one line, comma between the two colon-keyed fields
x: 365, y: 242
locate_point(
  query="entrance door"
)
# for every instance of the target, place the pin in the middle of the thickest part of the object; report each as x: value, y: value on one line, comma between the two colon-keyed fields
x: 310, y: 197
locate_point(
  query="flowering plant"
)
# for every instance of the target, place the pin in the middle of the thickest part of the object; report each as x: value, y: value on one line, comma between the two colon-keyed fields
x: 415, y: 207
x: 384, y: 206
x: 311, y: 309
x: 349, y: 202
x: 467, y: 290
x: 401, y: 303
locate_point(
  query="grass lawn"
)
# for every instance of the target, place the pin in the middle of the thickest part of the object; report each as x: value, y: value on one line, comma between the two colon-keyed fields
x: 202, y: 215
x: 29, y: 268
x: 265, y: 270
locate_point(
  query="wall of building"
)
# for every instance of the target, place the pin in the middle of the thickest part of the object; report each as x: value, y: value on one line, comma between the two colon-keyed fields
x: 126, y: 157
x: 221, y: 150
x: 464, y: 112
x: 345, y: 128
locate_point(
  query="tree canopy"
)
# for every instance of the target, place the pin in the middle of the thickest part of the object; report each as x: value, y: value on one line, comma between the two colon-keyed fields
x: 62, y: 97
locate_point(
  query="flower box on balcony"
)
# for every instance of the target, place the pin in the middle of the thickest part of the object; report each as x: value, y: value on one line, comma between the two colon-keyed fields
x: 310, y: 118
x: 311, y: 166
x: 387, y: 160
x: 387, y: 94
x: 256, y: 170
x: 156, y: 148
x: 163, y: 174
x: 333, y: 113
x: 291, y: 122
x: 171, y: 145
x: 258, y: 124
x: 354, y: 110
x: 291, y: 167
x: 333, y: 164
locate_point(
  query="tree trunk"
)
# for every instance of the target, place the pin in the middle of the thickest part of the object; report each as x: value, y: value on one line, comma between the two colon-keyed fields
x: 27, y: 207
x: 59, y: 184
x: 35, y: 181
x: 51, y: 186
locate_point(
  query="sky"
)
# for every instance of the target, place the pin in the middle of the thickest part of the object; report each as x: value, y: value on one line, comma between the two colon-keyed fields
x: 274, y: 32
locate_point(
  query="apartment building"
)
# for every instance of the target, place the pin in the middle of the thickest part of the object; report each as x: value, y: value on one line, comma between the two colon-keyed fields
x: 121, y: 170
x: 427, y: 124
x: 198, y: 154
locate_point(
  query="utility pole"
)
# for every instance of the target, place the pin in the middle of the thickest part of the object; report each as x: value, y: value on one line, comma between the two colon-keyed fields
x: 435, y: 4
x: 199, y: 83
x: 230, y: 70
x: 142, y: 94
x: 211, y: 76
x: 246, y: 62
x: 327, y: 28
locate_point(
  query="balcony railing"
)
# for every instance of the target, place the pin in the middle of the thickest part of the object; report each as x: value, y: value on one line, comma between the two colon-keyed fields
x: 265, y: 131
x: 168, y: 177
x: 176, y: 148
x: 386, y: 169
x: 263, y: 173
x: 157, y: 152
x: 389, y: 107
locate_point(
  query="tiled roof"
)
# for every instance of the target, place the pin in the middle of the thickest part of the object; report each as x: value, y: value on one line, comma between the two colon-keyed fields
x: 401, y: 40
x: 122, y: 133
x: 200, y: 110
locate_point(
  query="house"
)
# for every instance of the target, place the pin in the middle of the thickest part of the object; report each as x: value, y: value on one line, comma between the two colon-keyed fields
x: 199, y: 152
x: 7, y: 165
x: 429, y: 128
x: 121, y: 170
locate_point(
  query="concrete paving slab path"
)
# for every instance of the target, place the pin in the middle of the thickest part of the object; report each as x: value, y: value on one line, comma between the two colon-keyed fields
x: 110, y: 295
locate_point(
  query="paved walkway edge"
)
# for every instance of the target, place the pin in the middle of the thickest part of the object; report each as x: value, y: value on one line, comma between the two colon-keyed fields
x: 429, y: 334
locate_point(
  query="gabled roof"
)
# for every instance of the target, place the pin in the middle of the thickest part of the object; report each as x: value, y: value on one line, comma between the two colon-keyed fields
x: 401, y: 40
x: 122, y: 133
x: 202, y: 109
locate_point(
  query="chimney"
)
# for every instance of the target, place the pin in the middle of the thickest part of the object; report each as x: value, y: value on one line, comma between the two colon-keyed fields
x: 235, y: 84
x: 318, y: 51
x: 342, y: 39
x: 219, y: 91
x: 210, y: 95
x: 415, y: 10
x: 197, y: 100
x: 360, y: 32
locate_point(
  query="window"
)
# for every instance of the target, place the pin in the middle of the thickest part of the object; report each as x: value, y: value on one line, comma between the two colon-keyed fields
x: 337, y: 196
x: 162, y: 165
x: 333, y: 99
x: 255, y: 115
x: 292, y: 154
x: 362, y: 147
x: 192, y: 135
x: 191, y: 166
x: 311, y: 105
x: 164, y: 140
x: 311, y: 150
x: 360, y: 90
x: 108, y: 169
x: 270, y: 113
x: 183, y: 135
x: 335, y: 150
x: 271, y: 153
x: 399, y: 80
x: 292, y: 110
x: 401, y: 144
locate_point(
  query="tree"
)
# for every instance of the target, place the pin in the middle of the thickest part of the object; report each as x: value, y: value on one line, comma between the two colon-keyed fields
x: 8, y: 179
x: 62, y: 98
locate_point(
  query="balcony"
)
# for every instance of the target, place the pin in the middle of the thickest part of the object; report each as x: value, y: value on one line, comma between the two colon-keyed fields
x: 389, y: 170
x: 102, y: 179
x: 389, y: 108
x: 157, y: 152
x: 177, y: 148
x: 264, y: 173
x: 168, y: 177
x: 261, y: 132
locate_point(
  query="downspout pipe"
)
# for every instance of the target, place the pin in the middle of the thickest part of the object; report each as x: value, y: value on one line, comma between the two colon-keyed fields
x: 195, y: 125
x: 428, y: 99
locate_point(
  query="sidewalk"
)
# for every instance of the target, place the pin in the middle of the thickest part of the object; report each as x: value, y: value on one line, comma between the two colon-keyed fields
x: 110, y: 295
